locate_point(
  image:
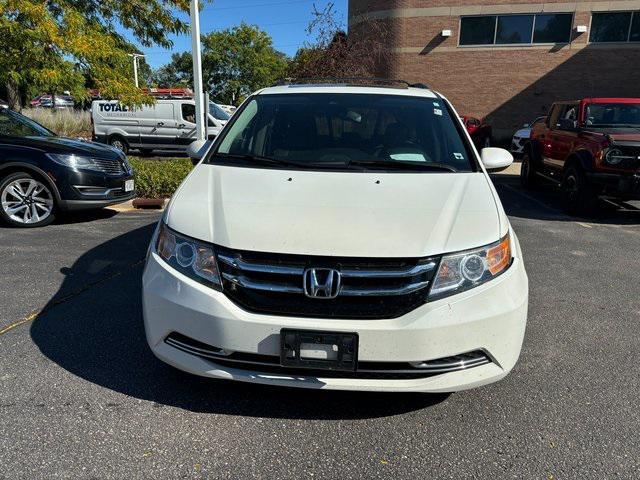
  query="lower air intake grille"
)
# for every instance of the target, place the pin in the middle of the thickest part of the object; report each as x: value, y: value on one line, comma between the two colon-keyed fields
x: 372, y: 370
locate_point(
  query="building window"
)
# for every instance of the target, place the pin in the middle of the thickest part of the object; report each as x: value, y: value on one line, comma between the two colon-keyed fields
x: 517, y: 29
x: 611, y: 27
x: 552, y: 28
x: 514, y: 29
x: 477, y: 30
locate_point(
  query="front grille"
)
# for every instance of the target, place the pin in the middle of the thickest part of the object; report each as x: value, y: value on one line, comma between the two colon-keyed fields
x: 370, y: 288
x: 109, y: 166
x: 270, y: 364
x: 632, y: 153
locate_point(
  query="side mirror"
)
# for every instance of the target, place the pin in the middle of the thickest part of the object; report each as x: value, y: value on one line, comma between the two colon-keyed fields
x: 197, y: 150
x: 568, y: 124
x: 495, y: 159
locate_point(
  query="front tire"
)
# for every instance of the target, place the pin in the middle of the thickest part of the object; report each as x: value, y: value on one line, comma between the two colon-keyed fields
x: 580, y: 197
x: 528, y: 176
x: 119, y: 143
x: 26, y: 201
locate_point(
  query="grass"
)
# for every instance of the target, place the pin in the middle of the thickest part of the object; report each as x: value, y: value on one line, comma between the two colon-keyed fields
x: 64, y: 122
x: 159, y: 178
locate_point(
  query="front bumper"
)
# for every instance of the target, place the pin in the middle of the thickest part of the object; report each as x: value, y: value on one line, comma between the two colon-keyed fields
x: 623, y: 186
x: 517, y: 146
x: 490, y: 318
x: 82, y: 190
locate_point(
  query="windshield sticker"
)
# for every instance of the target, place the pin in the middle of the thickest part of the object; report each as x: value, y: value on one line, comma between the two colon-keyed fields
x: 458, y: 156
x: 437, y: 111
x: 436, y: 104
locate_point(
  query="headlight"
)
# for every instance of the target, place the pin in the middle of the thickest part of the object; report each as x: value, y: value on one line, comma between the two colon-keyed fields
x: 461, y: 271
x: 614, y: 156
x: 74, y: 161
x: 194, y: 259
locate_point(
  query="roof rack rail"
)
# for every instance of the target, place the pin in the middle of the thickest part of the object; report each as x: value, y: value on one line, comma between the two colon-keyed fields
x: 359, y: 81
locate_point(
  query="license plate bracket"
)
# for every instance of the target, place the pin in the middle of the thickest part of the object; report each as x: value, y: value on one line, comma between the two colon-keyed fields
x: 128, y: 185
x: 319, y: 350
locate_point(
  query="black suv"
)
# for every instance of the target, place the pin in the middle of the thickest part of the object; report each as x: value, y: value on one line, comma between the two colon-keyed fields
x: 42, y: 174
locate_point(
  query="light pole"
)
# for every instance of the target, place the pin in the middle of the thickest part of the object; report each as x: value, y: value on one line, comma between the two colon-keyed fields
x: 135, y: 57
x: 201, y: 127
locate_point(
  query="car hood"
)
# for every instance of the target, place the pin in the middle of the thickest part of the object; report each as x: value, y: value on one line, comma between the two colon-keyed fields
x: 624, y: 137
x: 336, y: 213
x: 67, y: 145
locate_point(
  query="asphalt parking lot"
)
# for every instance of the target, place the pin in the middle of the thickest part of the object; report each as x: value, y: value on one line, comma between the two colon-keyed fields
x: 81, y: 396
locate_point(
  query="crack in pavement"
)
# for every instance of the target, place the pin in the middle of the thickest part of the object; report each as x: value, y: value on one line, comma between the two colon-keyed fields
x: 52, y: 304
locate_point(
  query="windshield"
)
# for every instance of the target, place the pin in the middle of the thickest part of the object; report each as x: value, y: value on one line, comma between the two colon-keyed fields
x: 217, y: 113
x: 613, y: 115
x: 13, y: 124
x: 347, y: 130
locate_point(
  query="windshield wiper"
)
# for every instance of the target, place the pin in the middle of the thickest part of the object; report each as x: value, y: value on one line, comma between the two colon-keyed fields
x: 402, y: 165
x: 263, y: 160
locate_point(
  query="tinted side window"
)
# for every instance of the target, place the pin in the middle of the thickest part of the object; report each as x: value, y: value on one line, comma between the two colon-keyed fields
x: 634, y: 34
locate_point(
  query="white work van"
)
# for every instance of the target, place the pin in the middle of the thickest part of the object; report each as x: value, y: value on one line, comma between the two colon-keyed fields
x: 166, y: 125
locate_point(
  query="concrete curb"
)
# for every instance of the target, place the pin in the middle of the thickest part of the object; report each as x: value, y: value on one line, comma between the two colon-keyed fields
x: 128, y: 206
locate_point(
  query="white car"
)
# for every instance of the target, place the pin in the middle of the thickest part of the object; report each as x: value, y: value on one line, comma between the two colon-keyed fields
x: 521, y: 136
x: 339, y: 237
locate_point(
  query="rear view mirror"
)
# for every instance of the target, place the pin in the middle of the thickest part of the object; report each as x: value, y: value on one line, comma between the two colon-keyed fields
x: 495, y: 159
x: 197, y: 150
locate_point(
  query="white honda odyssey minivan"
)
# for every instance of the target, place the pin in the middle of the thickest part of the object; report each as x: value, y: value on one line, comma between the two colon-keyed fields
x: 339, y: 236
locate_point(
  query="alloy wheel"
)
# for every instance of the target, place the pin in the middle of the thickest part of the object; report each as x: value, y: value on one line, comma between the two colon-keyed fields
x: 27, y: 201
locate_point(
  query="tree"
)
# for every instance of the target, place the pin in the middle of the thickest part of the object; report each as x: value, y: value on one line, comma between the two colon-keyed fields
x: 177, y: 73
x: 333, y: 53
x: 60, y: 45
x: 238, y: 61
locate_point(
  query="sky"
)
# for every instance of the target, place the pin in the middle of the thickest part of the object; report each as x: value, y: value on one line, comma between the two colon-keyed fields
x: 284, y: 20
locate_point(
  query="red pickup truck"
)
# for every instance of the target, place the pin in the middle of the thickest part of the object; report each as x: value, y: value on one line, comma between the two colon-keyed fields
x: 590, y: 147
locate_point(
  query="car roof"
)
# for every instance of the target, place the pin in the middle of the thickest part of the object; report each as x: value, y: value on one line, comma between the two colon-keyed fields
x: 346, y: 88
x: 611, y: 100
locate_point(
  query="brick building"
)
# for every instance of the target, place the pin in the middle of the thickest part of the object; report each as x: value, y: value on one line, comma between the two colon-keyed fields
x: 507, y: 60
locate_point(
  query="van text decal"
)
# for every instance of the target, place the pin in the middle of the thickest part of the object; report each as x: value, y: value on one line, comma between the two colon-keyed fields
x: 112, y: 107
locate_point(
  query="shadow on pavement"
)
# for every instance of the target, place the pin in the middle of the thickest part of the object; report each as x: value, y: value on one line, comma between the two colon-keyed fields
x: 93, y: 328
x: 546, y: 203
x: 83, y: 216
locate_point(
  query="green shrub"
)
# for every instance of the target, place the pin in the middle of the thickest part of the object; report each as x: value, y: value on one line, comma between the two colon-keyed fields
x: 159, y: 178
